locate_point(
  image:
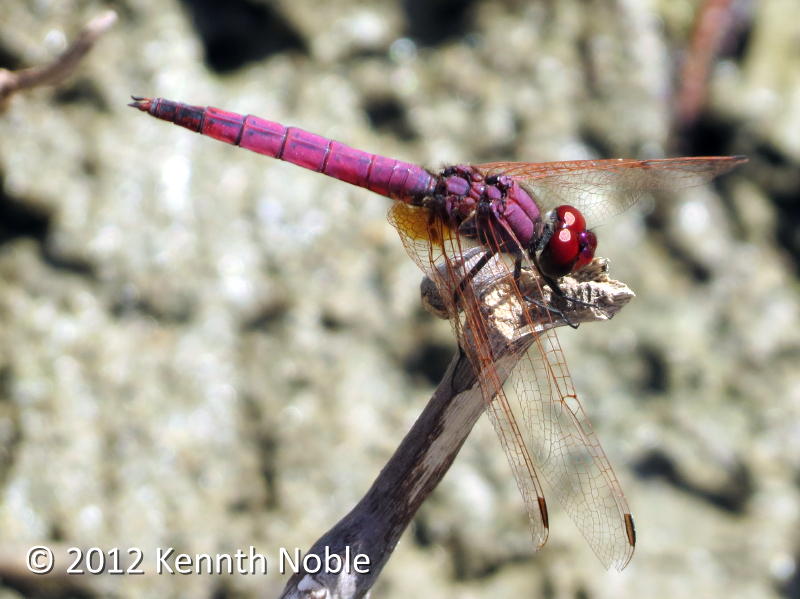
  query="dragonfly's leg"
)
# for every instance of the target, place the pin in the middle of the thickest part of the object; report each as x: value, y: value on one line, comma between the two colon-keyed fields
x: 551, y: 282
x: 553, y: 285
x: 476, y: 268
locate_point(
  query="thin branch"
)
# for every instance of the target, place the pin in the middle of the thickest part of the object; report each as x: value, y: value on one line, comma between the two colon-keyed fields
x: 717, y: 23
x: 374, y: 525
x: 63, y: 66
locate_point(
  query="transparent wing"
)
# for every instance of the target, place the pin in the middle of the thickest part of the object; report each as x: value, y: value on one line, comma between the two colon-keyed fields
x: 567, y: 453
x: 442, y: 256
x: 601, y: 189
x: 540, y: 399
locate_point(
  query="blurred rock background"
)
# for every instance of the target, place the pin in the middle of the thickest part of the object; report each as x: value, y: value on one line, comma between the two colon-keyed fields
x: 206, y: 349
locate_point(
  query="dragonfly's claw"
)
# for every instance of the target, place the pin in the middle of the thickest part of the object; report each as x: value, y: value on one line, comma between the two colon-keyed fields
x: 141, y: 103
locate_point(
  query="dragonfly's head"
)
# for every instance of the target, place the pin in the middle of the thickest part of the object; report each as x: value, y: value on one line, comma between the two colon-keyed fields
x: 570, y: 246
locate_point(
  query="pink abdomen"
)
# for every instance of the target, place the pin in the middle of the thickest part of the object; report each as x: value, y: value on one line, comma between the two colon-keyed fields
x: 386, y: 176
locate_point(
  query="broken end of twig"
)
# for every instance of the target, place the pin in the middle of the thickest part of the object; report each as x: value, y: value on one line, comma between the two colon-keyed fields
x: 515, y: 315
x: 100, y: 24
x: 590, y: 294
x: 587, y: 295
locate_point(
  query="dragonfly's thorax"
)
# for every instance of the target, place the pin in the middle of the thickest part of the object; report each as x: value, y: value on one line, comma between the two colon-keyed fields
x: 493, y: 209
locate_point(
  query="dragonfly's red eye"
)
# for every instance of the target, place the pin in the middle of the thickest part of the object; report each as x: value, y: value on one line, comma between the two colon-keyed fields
x: 560, y: 253
x: 568, y: 217
x: 571, y: 247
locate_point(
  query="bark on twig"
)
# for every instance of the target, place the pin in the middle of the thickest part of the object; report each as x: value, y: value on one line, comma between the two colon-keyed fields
x: 374, y: 525
x: 55, y: 72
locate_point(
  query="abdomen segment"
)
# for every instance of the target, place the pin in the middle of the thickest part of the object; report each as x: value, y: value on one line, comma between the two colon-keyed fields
x: 386, y: 176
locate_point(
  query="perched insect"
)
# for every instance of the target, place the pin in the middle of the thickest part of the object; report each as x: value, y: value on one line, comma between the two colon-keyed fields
x: 537, y: 215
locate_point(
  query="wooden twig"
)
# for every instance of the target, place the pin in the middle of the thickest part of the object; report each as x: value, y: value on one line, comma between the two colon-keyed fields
x: 55, y: 72
x: 717, y: 21
x: 374, y: 525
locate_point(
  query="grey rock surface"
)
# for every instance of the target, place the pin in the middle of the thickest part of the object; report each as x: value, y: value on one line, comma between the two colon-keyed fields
x: 205, y: 349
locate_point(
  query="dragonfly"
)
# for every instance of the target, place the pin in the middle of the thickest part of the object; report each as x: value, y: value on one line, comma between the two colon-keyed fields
x: 536, y: 217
